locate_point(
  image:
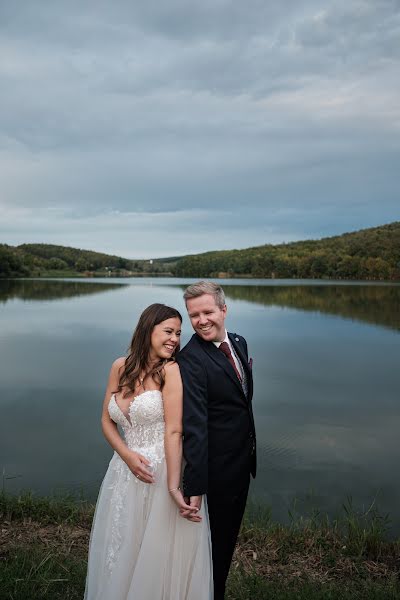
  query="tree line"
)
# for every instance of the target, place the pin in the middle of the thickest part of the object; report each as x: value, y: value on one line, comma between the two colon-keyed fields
x: 37, y: 260
x: 368, y: 254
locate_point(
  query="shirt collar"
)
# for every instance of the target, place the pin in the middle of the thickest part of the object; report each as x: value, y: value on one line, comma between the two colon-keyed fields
x: 226, y: 339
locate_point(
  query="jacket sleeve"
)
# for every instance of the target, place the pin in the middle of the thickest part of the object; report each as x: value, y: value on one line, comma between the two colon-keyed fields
x: 195, y: 425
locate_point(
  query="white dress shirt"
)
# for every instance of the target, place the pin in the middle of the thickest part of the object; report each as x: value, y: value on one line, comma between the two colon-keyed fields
x: 235, y: 357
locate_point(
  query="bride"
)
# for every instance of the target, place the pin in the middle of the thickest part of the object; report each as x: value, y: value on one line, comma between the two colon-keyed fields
x: 140, y: 546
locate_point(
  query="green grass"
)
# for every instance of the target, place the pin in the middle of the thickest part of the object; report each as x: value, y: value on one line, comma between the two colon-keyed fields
x: 242, y: 586
x: 34, y: 572
x: 46, y: 509
x: 44, y: 543
x: 43, y: 546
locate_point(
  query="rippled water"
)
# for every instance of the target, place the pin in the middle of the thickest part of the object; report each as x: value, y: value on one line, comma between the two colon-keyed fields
x: 327, y: 379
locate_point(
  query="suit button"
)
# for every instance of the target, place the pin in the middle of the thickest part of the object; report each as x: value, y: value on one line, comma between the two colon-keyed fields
x: 251, y: 435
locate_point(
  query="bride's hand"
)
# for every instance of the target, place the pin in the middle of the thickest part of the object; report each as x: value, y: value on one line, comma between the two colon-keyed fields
x: 139, y: 465
x: 179, y: 500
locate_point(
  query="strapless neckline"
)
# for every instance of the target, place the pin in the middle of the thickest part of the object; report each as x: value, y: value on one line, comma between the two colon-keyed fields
x: 134, y: 399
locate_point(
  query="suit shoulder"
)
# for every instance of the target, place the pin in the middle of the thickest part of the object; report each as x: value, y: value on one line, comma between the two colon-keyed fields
x: 239, y: 340
x: 191, y: 348
x: 237, y: 337
x: 191, y: 360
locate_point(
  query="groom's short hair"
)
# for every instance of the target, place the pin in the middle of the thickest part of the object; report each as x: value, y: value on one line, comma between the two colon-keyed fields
x: 205, y: 287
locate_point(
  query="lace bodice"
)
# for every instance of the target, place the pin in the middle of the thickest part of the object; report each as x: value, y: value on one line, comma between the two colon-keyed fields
x: 144, y: 431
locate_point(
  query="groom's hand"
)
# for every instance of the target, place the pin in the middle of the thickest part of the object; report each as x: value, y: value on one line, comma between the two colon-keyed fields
x: 193, y: 502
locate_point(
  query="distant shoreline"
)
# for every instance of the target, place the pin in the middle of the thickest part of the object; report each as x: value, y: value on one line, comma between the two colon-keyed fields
x: 107, y: 275
x: 369, y: 254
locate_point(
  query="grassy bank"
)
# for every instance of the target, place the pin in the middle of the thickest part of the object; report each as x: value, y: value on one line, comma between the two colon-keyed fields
x: 44, y: 542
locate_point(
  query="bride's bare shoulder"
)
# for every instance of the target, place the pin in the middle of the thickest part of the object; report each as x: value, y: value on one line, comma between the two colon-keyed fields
x: 172, y: 372
x: 171, y: 367
x: 173, y: 382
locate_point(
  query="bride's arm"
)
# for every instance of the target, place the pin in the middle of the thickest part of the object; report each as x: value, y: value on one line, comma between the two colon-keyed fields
x: 135, y: 461
x: 173, y: 402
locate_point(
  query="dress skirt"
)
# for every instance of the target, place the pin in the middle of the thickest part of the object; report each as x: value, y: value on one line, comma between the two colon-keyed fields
x: 140, y: 546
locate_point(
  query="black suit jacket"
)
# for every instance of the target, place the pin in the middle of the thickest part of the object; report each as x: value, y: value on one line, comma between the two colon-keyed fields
x: 218, y: 424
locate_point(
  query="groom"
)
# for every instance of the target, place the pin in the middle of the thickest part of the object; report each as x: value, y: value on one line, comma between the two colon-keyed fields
x: 218, y: 425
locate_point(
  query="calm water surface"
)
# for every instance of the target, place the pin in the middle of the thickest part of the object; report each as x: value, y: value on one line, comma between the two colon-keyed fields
x: 327, y: 379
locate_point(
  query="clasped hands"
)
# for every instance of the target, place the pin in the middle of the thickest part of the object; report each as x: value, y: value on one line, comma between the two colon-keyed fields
x: 188, y: 507
x: 191, y: 507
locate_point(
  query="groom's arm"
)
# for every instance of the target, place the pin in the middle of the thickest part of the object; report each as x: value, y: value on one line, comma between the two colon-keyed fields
x: 195, y: 425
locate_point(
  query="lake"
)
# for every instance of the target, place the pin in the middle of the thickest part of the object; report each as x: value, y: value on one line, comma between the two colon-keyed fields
x: 327, y: 379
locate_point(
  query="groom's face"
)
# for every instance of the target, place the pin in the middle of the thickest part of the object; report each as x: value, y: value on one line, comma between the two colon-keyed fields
x: 207, y: 318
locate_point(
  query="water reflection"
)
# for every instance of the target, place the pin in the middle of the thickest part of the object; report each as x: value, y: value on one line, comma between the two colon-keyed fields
x: 376, y: 304
x: 326, y: 387
x: 50, y: 289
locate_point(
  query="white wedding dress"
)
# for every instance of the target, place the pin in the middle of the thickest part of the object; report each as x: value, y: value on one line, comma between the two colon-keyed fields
x: 140, y: 547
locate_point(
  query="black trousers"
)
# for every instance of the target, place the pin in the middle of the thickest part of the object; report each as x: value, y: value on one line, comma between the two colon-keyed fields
x: 226, y: 513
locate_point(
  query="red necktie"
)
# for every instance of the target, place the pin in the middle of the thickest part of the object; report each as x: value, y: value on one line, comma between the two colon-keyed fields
x: 224, y: 347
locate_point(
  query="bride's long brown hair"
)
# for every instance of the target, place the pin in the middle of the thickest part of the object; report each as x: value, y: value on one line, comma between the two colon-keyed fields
x: 137, y: 361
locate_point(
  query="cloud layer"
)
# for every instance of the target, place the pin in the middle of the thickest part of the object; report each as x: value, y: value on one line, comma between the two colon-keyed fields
x: 148, y: 129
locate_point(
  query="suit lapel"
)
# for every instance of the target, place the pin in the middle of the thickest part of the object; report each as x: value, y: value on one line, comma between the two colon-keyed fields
x: 218, y: 357
x: 243, y: 359
x: 238, y: 350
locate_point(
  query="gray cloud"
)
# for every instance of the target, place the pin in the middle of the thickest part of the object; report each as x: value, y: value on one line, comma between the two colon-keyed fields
x: 232, y: 124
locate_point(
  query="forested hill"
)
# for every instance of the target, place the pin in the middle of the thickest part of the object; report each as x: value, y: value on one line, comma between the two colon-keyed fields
x: 48, y: 259
x: 366, y: 254
x: 371, y: 254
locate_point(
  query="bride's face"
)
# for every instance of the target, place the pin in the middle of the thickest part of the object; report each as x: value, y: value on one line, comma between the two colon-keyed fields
x: 165, y: 339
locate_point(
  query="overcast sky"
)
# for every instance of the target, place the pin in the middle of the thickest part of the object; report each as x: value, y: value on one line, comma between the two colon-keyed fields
x: 149, y: 129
